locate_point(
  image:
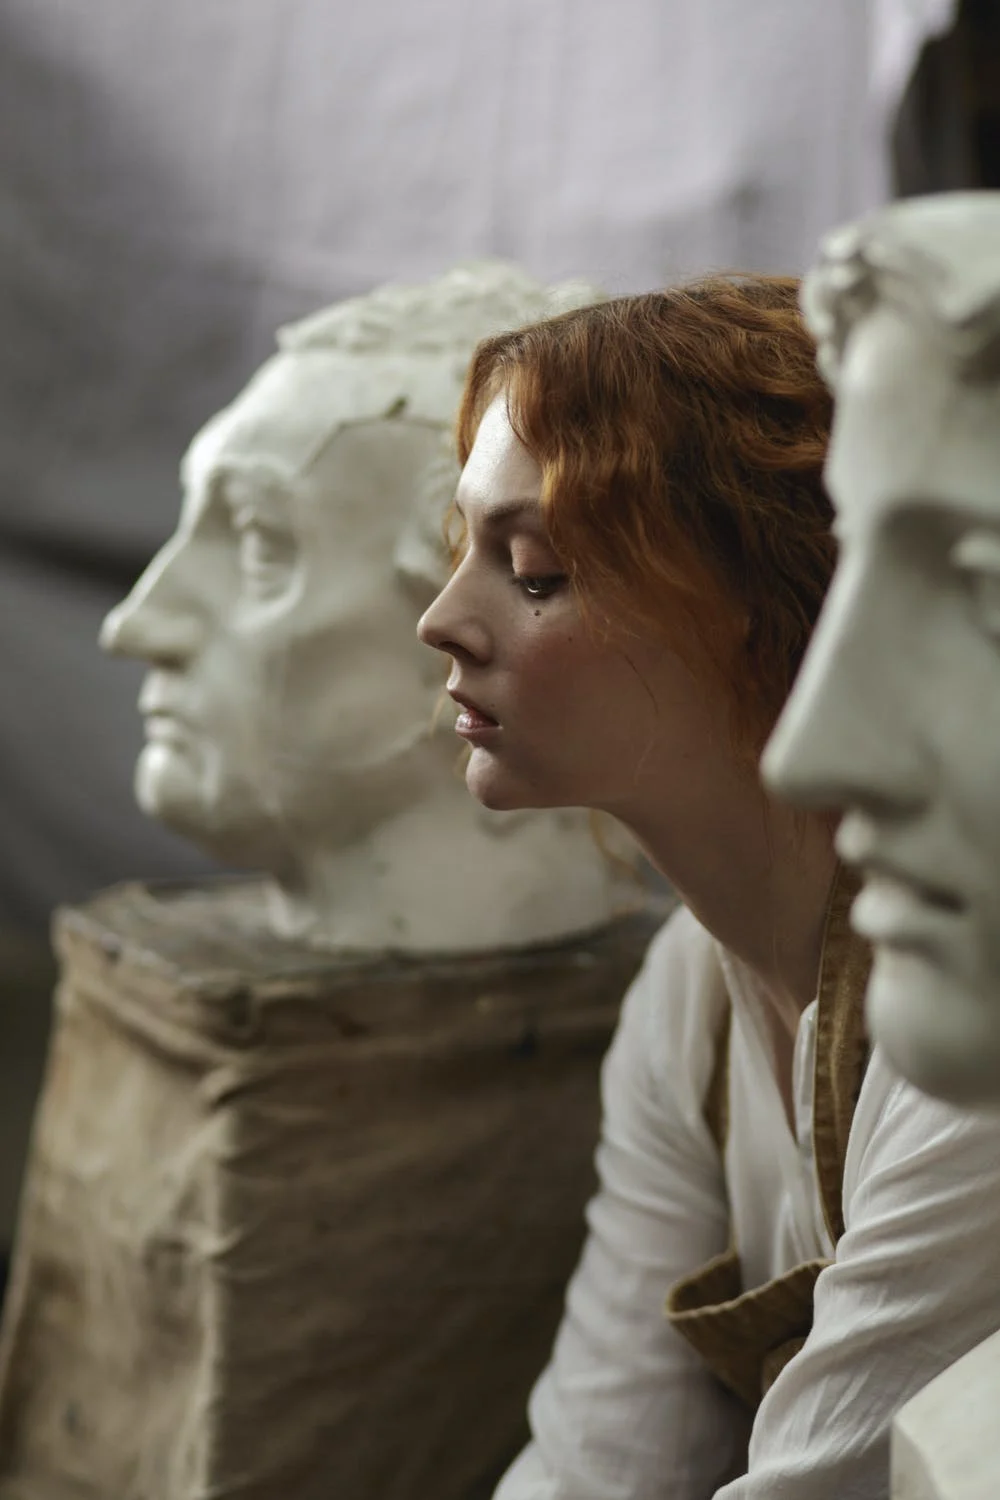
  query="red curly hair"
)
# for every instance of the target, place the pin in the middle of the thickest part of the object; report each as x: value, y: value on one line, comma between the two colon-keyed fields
x: 681, y: 437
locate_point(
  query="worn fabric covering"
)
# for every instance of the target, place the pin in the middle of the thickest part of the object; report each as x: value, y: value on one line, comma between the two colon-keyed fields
x: 294, y: 1226
x: 177, y: 179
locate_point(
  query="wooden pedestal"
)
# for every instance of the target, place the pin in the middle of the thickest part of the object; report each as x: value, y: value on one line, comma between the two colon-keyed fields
x: 295, y: 1227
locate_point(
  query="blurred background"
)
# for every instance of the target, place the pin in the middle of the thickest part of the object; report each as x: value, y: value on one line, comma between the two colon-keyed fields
x: 179, y: 177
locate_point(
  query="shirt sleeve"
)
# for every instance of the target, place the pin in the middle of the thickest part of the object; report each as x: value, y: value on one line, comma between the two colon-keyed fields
x: 625, y: 1409
x: 915, y: 1284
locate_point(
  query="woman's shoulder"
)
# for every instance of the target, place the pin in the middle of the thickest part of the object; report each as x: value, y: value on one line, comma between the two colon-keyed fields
x: 900, y: 1135
x: 683, y: 959
x: 682, y: 948
x: 676, y: 1006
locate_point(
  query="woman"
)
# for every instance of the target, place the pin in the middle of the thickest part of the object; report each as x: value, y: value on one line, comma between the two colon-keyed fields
x: 645, y: 545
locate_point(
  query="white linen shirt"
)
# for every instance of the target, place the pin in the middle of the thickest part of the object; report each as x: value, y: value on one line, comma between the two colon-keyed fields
x: 626, y: 1410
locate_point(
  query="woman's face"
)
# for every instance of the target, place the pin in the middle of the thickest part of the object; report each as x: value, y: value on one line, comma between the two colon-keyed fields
x: 558, y: 711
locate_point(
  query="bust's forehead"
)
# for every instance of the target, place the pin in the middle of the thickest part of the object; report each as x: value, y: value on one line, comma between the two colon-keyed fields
x: 299, y: 400
x: 897, y: 385
x: 881, y: 350
x: 908, y: 427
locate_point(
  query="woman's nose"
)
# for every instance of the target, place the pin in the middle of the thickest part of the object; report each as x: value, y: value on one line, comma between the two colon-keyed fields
x: 155, y: 623
x: 453, y: 626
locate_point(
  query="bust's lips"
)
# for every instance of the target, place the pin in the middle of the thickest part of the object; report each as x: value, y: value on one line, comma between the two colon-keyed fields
x: 898, y: 910
x: 166, y: 722
x: 165, y: 729
x: 156, y: 701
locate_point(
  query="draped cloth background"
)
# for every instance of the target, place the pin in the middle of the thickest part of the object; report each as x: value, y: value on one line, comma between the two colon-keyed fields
x: 177, y: 177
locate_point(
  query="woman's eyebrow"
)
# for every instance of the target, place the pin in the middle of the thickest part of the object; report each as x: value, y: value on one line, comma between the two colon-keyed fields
x: 504, y: 510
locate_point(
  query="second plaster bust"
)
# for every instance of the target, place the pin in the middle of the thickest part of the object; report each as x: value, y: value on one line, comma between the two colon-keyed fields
x: 895, y: 718
x: 294, y: 723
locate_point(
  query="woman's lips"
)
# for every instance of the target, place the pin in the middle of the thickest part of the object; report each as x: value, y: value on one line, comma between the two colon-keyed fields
x: 473, y: 725
x: 472, y: 722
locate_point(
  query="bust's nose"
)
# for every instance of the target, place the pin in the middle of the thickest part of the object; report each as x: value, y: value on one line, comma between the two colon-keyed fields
x: 156, y: 623
x: 851, y: 734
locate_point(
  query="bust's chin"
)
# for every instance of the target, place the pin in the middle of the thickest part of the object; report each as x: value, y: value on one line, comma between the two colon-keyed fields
x: 935, y: 1031
x: 167, y: 788
x: 174, y: 789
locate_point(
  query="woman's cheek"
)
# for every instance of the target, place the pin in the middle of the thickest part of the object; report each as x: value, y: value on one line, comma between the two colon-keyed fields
x: 552, y: 658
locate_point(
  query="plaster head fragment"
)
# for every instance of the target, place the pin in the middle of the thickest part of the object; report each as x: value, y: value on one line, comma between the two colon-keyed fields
x: 291, y: 714
x: 895, y: 718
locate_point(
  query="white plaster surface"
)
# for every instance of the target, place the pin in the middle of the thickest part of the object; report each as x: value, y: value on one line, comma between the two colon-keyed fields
x: 294, y: 724
x: 946, y: 1442
x: 895, y: 718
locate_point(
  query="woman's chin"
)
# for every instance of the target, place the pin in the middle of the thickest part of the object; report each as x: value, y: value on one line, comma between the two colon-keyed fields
x: 496, y: 797
x: 496, y: 788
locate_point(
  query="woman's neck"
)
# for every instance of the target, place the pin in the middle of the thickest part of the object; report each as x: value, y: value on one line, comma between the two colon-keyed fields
x: 757, y: 875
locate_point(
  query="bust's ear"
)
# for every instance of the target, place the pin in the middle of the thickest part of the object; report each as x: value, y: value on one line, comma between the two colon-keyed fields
x: 421, y: 555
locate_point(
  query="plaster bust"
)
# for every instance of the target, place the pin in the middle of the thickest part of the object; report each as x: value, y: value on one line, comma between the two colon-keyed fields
x: 895, y: 718
x: 293, y: 722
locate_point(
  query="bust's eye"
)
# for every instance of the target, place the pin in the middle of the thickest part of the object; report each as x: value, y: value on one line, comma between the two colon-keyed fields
x: 977, y: 557
x: 267, y: 555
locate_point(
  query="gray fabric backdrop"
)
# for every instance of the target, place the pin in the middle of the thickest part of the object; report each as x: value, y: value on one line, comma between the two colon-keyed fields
x: 178, y: 177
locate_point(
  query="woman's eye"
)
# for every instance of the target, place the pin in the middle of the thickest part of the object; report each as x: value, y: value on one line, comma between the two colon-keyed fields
x: 542, y: 587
